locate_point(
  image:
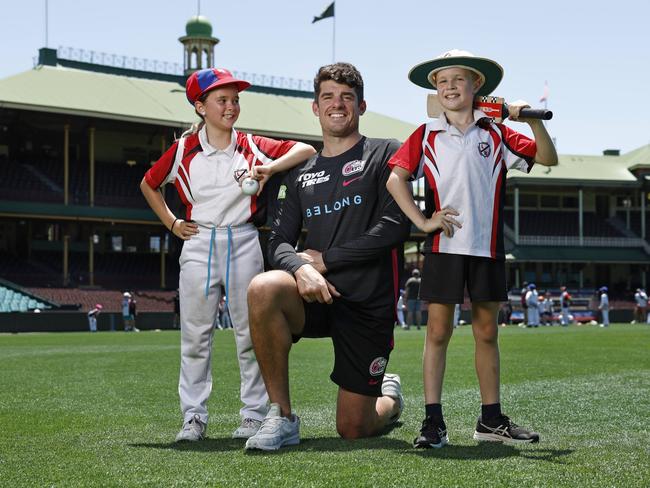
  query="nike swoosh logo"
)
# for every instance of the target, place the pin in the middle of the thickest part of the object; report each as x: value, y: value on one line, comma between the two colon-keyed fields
x: 372, y: 382
x: 347, y: 182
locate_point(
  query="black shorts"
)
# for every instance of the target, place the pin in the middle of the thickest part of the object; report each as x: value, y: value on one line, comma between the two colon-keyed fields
x: 445, y: 276
x: 362, y: 338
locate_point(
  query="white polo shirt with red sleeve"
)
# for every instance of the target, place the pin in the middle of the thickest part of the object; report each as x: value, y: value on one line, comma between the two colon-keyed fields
x: 467, y: 172
x: 208, y: 179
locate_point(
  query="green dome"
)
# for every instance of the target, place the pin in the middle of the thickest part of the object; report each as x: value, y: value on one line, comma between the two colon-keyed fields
x: 198, y: 26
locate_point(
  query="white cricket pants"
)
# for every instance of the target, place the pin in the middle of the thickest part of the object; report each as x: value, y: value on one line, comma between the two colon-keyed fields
x: 564, y: 320
x: 533, y: 316
x: 198, y: 315
x: 605, y: 313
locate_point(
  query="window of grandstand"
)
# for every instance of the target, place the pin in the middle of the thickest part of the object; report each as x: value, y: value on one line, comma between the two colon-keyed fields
x: 528, y: 200
x: 154, y: 243
x: 623, y: 201
x: 550, y: 201
x: 116, y: 242
x: 547, y: 273
x: 569, y: 202
x: 136, y: 154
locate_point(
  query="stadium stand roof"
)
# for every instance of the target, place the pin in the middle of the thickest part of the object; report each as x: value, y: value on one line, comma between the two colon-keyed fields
x: 64, y: 90
x: 587, y: 170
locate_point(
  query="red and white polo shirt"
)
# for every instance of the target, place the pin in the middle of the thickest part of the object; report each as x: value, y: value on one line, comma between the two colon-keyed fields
x: 208, y: 179
x: 467, y: 172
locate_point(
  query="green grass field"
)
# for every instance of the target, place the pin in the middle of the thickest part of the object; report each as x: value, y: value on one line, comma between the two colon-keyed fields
x: 80, y: 409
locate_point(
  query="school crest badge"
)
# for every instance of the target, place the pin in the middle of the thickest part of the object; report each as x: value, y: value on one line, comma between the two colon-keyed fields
x: 484, y: 149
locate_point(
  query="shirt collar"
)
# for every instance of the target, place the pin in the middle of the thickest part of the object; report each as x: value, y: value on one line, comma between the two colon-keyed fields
x: 441, y: 123
x: 209, y: 150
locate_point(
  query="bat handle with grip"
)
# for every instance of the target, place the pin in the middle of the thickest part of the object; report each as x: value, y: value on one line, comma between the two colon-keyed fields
x: 530, y: 113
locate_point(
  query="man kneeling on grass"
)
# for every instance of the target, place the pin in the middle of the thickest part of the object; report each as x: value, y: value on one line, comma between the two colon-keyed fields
x: 343, y: 285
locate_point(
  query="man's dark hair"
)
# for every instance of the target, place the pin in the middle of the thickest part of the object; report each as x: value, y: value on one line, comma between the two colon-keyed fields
x: 343, y: 73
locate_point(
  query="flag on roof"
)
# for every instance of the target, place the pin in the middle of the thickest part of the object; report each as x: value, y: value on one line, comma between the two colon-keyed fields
x: 328, y: 12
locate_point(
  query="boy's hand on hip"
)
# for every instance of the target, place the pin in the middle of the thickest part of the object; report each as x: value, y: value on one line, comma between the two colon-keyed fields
x: 444, y: 220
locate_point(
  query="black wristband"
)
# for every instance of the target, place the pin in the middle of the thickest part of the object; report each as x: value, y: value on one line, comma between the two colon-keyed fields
x: 171, y: 229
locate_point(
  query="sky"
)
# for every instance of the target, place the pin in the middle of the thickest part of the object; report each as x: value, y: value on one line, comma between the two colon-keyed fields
x: 595, y: 56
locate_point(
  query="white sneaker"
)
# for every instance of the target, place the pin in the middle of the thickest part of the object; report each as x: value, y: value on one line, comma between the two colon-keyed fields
x: 193, y: 430
x: 276, y: 431
x: 248, y: 428
x: 392, y: 387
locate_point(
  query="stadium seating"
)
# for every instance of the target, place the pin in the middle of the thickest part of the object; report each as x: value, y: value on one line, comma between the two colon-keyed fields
x: 112, y: 270
x: 115, y: 184
x: 111, y: 300
x: 12, y: 300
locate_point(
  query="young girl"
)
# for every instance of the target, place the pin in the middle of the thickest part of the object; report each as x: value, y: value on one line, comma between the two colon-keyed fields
x: 221, y: 248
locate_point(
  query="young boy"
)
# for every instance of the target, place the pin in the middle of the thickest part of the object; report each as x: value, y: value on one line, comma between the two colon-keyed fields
x: 464, y: 157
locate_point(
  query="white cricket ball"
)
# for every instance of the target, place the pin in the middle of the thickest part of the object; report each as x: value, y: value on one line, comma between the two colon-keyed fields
x: 249, y: 186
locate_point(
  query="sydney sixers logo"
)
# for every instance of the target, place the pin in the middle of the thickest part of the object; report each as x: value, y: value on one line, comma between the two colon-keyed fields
x: 484, y: 149
x: 378, y: 366
x: 353, y: 167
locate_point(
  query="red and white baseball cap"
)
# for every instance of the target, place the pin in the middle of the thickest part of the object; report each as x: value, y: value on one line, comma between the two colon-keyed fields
x: 204, y: 80
x: 98, y: 306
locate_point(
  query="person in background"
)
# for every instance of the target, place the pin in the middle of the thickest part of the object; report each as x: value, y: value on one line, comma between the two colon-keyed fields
x: 92, y: 317
x: 524, y: 305
x: 532, y: 301
x: 506, y: 313
x: 565, y: 304
x: 456, y: 319
x: 640, y: 306
x: 133, y: 313
x: 126, y: 311
x: 603, y: 306
x: 401, y: 307
x: 546, y: 309
x: 412, y: 300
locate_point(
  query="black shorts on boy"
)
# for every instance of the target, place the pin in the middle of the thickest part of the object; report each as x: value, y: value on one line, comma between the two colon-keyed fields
x: 445, y: 276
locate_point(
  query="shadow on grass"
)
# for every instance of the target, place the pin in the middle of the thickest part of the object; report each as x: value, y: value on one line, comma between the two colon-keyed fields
x: 324, y: 444
x: 336, y: 444
x: 495, y: 450
x: 209, y: 444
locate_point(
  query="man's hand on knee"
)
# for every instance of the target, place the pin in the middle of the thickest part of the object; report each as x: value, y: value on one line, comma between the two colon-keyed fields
x: 313, y: 287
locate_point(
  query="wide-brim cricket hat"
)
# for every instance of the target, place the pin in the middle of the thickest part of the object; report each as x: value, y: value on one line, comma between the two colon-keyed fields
x: 490, y: 72
x: 204, y: 80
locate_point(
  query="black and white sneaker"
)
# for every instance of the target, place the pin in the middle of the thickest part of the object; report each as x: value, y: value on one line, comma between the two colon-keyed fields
x: 432, y: 434
x: 502, y: 429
